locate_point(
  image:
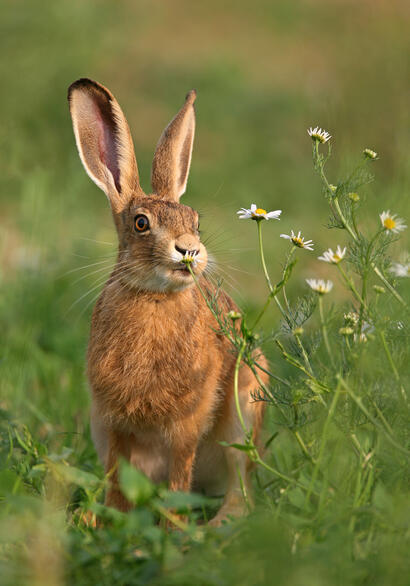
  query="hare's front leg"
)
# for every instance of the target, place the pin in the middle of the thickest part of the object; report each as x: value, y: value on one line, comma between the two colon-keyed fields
x: 181, y: 464
x: 118, y: 447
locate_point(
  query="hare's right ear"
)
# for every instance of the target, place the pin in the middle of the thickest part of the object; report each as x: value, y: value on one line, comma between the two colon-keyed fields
x: 104, y: 141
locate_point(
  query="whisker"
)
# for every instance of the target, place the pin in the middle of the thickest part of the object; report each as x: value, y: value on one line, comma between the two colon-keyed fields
x: 97, y: 241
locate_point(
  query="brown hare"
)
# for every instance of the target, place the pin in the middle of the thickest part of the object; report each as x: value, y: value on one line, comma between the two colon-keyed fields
x: 161, y: 376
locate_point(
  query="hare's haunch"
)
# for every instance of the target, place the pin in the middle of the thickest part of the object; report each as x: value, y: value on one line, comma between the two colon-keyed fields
x: 161, y: 376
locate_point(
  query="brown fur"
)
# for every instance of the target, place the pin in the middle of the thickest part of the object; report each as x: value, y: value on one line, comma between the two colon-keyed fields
x: 161, y: 375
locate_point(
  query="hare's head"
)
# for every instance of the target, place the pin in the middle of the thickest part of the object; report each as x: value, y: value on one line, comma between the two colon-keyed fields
x: 155, y: 231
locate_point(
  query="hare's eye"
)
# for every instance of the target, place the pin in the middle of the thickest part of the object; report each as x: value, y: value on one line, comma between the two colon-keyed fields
x: 141, y: 223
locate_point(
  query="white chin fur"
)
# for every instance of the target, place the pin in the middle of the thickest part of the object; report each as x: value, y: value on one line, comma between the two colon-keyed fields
x: 162, y: 281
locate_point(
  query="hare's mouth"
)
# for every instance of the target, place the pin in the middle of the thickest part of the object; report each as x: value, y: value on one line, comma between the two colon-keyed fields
x: 182, y: 271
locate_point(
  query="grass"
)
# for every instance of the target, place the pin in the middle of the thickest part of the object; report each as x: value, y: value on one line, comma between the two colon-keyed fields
x: 264, y: 74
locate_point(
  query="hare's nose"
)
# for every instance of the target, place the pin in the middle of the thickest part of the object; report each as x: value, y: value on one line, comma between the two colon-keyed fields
x: 183, y: 251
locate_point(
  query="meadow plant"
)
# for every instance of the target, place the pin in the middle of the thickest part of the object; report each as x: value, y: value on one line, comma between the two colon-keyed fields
x: 328, y: 388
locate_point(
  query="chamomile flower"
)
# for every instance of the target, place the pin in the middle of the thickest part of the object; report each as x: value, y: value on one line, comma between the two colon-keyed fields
x: 333, y: 257
x: 255, y: 213
x: 298, y: 240
x: 190, y: 257
x: 369, y: 154
x: 320, y: 286
x: 391, y: 223
x: 400, y: 269
x: 318, y: 134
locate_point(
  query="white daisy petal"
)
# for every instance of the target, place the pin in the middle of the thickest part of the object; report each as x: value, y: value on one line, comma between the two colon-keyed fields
x: 274, y: 215
x: 320, y: 286
x: 333, y: 257
x: 400, y: 269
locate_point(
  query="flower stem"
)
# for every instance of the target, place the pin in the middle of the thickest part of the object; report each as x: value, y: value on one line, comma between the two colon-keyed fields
x: 268, y: 281
x: 265, y: 270
x: 387, y: 285
x: 324, y: 330
x: 396, y: 375
x: 383, y: 428
x: 236, y: 387
x: 323, y: 443
x: 343, y: 219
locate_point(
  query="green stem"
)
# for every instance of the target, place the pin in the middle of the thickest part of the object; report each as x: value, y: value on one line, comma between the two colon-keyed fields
x: 323, y: 442
x: 255, y: 454
x: 236, y: 388
x: 354, y: 220
x: 343, y: 219
x: 304, y: 353
x: 265, y: 270
x: 324, y: 330
x: 303, y: 447
x: 272, y: 294
x: 384, y: 429
x: 396, y: 375
x: 364, y: 282
x: 387, y: 285
x: 209, y: 305
x: 349, y: 282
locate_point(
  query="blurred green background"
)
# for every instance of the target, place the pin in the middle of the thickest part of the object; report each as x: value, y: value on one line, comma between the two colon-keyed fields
x: 265, y: 71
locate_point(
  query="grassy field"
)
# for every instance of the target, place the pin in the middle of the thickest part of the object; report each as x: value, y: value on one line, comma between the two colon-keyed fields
x: 264, y: 72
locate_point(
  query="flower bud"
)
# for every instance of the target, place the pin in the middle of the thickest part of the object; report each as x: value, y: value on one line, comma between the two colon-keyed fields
x: 346, y: 331
x: 369, y: 154
x: 234, y: 315
x: 354, y: 197
x: 298, y: 331
x: 378, y: 289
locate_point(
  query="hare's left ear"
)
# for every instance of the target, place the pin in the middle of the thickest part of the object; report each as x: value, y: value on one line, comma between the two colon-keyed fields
x: 172, y: 158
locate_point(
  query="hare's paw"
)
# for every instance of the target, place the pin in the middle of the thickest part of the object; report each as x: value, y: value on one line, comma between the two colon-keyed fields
x: 228, y: 513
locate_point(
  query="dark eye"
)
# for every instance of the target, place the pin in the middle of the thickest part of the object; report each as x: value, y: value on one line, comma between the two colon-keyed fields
x: 141, y: 223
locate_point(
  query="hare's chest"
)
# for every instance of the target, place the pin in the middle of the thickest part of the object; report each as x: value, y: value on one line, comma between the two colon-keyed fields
x: 150, y: 365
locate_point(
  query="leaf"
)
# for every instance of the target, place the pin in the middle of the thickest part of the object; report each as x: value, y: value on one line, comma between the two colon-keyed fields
x: 9, y: 482
x: 241, y: 447
x: 184, y: 500
x: 74, y: 475
x: 135, y: 485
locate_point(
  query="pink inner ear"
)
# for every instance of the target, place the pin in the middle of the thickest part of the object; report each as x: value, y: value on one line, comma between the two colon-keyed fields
x: 107, y: 146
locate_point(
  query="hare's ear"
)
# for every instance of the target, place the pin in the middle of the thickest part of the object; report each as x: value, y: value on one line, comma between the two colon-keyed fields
x: 172, y: 158
x: 104, y: 141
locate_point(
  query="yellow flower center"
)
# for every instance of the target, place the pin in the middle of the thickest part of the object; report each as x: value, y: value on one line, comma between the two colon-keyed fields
x: 336, y: 258
x: 260, y: 211
x: 389, y: 223
x: 298, y: 241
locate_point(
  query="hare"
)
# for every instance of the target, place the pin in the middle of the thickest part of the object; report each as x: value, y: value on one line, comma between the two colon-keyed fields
x: 161, y: 376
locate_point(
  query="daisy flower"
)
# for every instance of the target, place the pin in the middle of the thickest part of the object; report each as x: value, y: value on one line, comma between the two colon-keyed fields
x: 298, y: 240
x: 318, y: 134
x: 255, y: 213
x: 320, y: 286
x: 369, y: 154
x: 400, y: 270
x: 391, y: 223
x: 333, y: 257
x: 190, y: 257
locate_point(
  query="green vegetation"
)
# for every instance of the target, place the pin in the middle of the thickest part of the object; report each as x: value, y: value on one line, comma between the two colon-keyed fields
x: 331, y: 489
